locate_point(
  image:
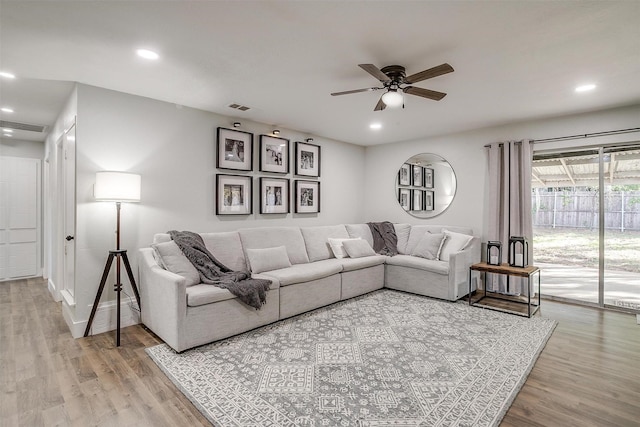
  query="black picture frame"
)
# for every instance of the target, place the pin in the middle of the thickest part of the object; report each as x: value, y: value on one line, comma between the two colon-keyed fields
x: 307, y: 196
x: 274, y: 195
x: 428, y: 177
x: 404, y: 198
x: 307, y: 159
x: 404, y: 174
x: 429, y: 200
x: 234, y: 149
x: 234, y: 194
x: 417, y: 176
x: 274, y: 154
x: 417, y: 200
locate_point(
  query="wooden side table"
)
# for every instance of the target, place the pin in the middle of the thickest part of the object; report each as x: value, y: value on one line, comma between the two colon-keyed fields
x: 506, y: 270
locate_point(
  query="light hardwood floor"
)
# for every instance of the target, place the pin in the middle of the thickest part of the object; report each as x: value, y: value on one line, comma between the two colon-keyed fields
x: 587, y: 375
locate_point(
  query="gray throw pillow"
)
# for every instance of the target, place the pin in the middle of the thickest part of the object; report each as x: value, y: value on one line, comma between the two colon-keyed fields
x: 268, y: 259
x: 358, y: 248
x: 428, y: 246
x: 172, y: 259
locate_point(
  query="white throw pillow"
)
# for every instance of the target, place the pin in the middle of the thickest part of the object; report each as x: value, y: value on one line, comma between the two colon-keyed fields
x: 453, y: 242
x: 428, y: 246
x: 268, y: 259
x: 337, y: 248
x: 172, y: 259
x: 358, y: 248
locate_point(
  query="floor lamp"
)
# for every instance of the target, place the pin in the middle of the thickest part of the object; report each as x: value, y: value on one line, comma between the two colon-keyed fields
x: 116, y: 187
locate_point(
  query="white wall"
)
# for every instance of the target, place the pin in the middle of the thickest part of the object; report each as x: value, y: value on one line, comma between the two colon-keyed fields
x: 10, y: 147
x: 174, y: 151
x: 465, y: 151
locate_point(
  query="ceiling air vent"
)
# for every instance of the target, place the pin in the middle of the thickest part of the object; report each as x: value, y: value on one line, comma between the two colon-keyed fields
x: 22, y: 126
x: 239, y: 107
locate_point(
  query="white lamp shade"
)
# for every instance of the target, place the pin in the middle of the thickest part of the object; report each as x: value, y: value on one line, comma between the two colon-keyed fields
x: 117, y: 187
x: 392, y: 98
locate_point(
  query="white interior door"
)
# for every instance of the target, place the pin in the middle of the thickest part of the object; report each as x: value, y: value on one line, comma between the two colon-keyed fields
x: 19, y: 217
x: 69, y: 213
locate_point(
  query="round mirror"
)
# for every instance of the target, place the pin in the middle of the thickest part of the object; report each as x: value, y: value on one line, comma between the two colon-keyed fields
x: 425, y: 185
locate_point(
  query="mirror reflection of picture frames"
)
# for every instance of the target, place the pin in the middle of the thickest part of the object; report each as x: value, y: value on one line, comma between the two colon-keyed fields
x: 404, y: 198
x: 307, y: 159
x: 274, y: 154
x: 417, y: 177
x: 234, y: 195
x: 274, y: 195
x: 428, y: 177
x: 404, y: 174
x: 235, y: 149
x: 417, y: 200
x: 429, y: 200
x: 307, y: 196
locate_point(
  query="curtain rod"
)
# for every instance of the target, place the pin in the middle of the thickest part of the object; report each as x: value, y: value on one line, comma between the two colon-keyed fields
x: 586, y: 135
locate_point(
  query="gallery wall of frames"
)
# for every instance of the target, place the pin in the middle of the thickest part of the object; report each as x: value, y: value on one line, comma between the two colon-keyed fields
x: 283, y: 180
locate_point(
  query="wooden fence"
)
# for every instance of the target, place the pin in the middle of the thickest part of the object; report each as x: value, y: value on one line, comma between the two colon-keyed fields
x: 579, y: 209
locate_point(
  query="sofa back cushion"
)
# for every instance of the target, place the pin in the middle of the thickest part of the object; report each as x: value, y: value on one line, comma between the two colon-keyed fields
x: 360, y: 230
x: 270, y: 237
x: 417, y: 231
x: 171, y: 258
x: 316, y: 240
x: 402, y: 233
x: 225, y: 246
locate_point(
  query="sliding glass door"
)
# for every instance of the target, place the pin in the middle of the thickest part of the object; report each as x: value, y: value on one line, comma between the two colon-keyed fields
x: 586, y: 217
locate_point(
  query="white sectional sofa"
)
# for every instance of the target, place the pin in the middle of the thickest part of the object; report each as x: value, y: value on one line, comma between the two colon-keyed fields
x: 304, y: 271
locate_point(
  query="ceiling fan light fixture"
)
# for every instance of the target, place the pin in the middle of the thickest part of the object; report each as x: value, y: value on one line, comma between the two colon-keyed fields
x: 392, y: 98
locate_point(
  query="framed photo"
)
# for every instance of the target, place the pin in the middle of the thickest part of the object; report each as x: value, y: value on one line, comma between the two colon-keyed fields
x: 429, y: 200
x: 404, y: 174
x: 417, y: 178
x: 417, y: 200
x: 404, y: 198
x: 234, y: 195
x: 307, y: 196
x: 235, y: 150
x: 307, y: 159
x: 274, y: 154
x: 274, y: 195
x: 428, y: 177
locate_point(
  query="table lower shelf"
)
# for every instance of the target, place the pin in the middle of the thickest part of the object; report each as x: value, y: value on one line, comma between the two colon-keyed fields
x: 497, y: 302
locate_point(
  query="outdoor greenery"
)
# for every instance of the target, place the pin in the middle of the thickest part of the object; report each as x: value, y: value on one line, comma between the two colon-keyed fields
x: 570, y: 246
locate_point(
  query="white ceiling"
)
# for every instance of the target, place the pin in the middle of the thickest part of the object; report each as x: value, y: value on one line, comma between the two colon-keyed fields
x: 513, y: 60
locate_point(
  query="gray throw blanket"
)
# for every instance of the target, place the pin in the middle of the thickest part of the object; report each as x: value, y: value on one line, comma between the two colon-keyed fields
x: 252, y: 292
x: 385, y: 241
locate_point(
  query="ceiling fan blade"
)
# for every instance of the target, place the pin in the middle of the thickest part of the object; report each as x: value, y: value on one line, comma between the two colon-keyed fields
x: 380, y: 105
x: 347, y: 92
x: 425, y: 93
x: 430, y: 73
x: 375, y: 72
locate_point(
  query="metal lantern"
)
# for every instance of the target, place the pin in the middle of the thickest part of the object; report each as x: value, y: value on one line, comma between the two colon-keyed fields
x: 494, y: 252
x: 518, y: 251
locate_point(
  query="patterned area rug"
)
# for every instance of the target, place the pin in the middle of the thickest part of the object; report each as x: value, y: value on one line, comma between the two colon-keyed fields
x: 383, y: 359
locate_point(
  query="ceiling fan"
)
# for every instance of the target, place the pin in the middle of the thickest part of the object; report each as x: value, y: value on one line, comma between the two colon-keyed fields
x: 394, y: 79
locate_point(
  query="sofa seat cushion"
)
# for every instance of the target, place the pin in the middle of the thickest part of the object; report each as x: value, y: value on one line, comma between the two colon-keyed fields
x: 206, y: 294
x: 440, y: 267
x: 351, y: 264
x: 300, y: 273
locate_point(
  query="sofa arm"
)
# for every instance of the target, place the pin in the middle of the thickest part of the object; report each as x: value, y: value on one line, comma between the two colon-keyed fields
x: 163, y: 299
x: 459, y: 264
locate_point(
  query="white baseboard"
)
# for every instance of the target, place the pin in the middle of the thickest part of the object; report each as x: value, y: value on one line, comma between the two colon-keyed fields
x: 53, y: 291
x: 105, y: 319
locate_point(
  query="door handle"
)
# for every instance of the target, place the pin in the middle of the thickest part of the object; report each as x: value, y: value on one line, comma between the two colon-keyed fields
x: 69, y: 238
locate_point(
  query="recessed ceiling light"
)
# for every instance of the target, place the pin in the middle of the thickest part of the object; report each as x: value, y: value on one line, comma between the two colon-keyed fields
x: 7, y: 130
x: 7, y: 75
x: 147, y: 54
x: 585, y: 88
x: 6, y: 110
x: 7, y: 135
x: 375, y: 126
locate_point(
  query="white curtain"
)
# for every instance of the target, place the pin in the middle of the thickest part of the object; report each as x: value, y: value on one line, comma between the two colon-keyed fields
x: 510, y: 204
